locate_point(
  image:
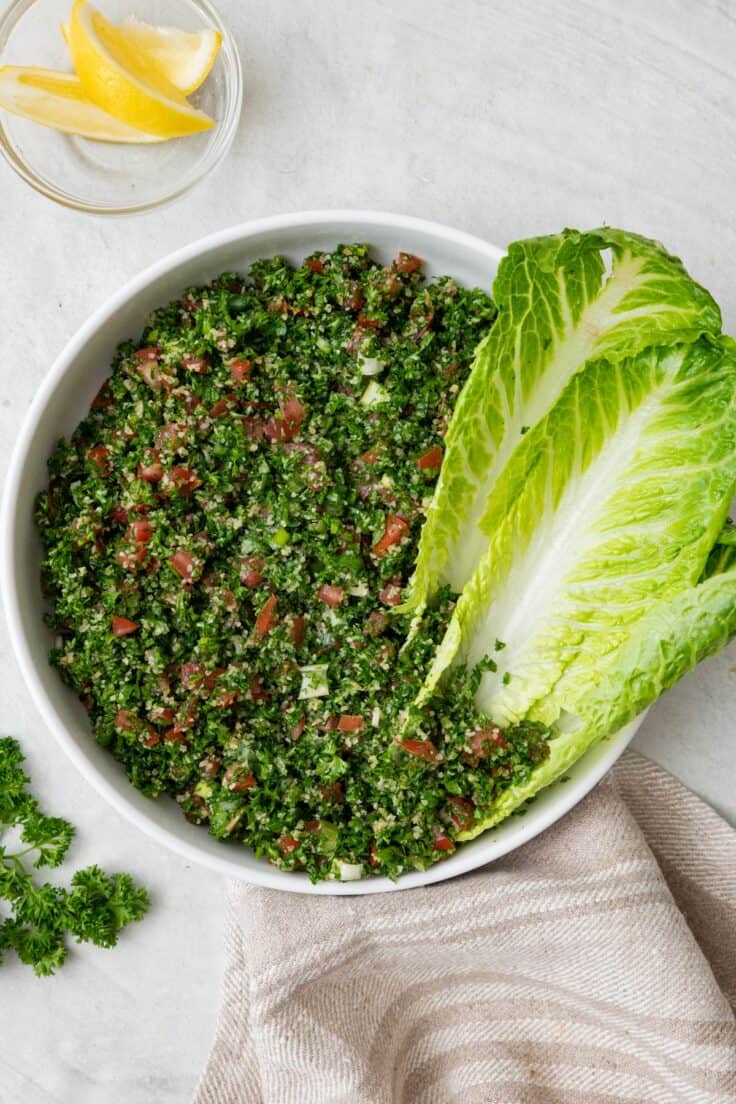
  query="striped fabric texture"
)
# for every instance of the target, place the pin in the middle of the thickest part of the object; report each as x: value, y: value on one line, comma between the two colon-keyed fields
x: 595, y: 964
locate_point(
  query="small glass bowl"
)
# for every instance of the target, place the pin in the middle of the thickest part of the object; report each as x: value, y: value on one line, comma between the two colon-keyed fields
x: 105, y: 177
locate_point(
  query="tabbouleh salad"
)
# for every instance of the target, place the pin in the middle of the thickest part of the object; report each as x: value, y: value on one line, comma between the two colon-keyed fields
x: 226, y: 535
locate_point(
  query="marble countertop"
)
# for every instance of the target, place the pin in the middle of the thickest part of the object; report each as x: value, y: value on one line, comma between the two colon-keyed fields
x: 505, y: 118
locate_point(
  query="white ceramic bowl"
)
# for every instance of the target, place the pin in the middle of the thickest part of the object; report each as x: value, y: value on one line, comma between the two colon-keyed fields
x: 61, y: 403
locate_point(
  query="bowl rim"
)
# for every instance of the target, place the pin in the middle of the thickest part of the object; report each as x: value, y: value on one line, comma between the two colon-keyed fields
x: 224, y: 133
x: 465, y: 859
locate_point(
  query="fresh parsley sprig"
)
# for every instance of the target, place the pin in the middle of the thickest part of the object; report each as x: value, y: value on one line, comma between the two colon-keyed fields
x: 39, y: 918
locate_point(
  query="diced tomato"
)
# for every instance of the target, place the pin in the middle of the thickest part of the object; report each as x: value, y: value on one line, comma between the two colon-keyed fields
x: 297, y: 630
x: 240, y: 369
x: 119, y: 514
x: 422, y: 749
x: 350, y: 722
x: 185, y: 480
x: 483, y: 741
x: 267, y: 617
x: 396, y: 530
x: 432, y: 458
x: 141, y: 532
x: 253, y: 428
x: 103, y: 398
x: 315, y: 265
x: 296, y: 731
x: 238, y: 778
x: 190, y: 304
x: 393, y: 285
x: 127, y: 721
x: 229, y: 601
x: 390, y: 595
x: 195, y: 364
x: 252, y: 578
x: 121, y: 626
x: 150, y: 468
x: 287, y: 844
x: 227, y: 402
x: 171, y: 436
x: 184, y: 565
x: 251, y: 574
x: 192, y: 675
x: 225, y: 699
x: 289, y: 424
x: 187, y: 715
x: 257, y: 690
x: 442, y: 841
x: 356, y: 339
x: 149, y: 369
x: 150, y: 353
x: 353, y: 299
x: 175, y: 735
x: 376, y: 623
x: 332, y: 595
x: 407, y: 262
x: 461, y: 812
x: 210, y: 766
x: 162, y: 714
x: 278, y: 305
x: 293, y: 412
x: 150, y: 738
x: 333, y: 794
x: 370, y: 456
x: 211, y: 678
x: 100, y: 457
x: 372, y: 856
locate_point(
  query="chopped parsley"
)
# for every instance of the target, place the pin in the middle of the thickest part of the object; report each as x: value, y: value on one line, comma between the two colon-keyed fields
x: 227, y: 534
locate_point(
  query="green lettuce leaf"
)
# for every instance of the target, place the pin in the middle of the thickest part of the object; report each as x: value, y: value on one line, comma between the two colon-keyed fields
x: 667, y: 642
x: 558, y: 308
x: 723, y: 553
x: 610, y: 504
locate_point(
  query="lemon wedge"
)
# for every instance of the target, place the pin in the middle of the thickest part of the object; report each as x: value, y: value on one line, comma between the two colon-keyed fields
x: 183, y: 58
x: 58, y: 100
x: 126, y: 83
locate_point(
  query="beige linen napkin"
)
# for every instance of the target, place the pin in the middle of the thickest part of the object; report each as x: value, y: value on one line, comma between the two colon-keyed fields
x: 595, y: 964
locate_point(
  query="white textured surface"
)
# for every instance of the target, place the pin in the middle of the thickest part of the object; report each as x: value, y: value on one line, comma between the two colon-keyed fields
x: 503, y: 118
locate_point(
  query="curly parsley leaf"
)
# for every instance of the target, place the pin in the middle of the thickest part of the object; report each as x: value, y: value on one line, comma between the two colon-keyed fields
x: 50, y: 836
x: 94, y: 909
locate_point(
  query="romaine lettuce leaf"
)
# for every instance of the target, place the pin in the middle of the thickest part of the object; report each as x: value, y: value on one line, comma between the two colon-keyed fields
x: 723, y: 553
x: 609, y: 505
x: 667, y: 642
x: 558, y: 308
